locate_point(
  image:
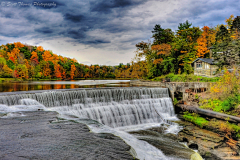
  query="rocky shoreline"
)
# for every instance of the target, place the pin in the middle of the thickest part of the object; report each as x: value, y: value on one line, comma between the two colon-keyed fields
x: 210, y: 145
x: 40, y: 135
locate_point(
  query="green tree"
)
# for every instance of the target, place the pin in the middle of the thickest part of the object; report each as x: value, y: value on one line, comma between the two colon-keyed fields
x: 161, y: 35
x: 10, y: 64
x: 183, y: 26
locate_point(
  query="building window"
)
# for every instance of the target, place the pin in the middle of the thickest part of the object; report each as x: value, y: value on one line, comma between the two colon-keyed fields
x: 207, y: 66
x: 199, y: 64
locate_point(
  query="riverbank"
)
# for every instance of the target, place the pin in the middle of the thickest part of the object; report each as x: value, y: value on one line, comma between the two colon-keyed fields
x: 8, y: 80
x: 210, y: 145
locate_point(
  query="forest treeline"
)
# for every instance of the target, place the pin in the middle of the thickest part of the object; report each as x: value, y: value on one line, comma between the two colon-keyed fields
x: 23, y: 61
x: 174, y: 52
x: 169, y: 52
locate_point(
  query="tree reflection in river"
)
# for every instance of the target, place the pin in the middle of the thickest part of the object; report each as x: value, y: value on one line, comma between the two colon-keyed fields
x: 47, y: 85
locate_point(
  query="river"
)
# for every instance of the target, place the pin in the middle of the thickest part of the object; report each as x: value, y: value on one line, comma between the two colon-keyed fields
x: 48, y: 85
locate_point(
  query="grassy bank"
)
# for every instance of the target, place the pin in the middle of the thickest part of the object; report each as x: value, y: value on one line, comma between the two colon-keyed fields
x: 7, y: 80
x: 219, y: 126
x: 185, y: 78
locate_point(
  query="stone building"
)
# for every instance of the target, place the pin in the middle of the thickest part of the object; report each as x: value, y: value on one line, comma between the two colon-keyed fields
x: 204, y: 67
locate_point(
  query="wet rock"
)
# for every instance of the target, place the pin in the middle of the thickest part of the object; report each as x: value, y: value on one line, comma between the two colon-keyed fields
x: 210, y: 145
x: 193, y: 145
x: 167, y: 143
x: 35, y: 136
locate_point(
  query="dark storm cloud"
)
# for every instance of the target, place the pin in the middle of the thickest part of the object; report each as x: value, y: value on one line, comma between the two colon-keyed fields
x: 70, y: 19
x: 106, y: 6
x: 97, y: 41
x: 74, y: 18
x: 44, y: 30
x: 76, y: 34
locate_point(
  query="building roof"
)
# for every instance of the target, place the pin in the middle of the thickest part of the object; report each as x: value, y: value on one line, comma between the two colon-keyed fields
x: 207, y: 60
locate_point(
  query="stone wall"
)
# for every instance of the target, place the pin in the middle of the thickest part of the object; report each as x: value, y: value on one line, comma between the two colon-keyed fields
x: 174, y: 86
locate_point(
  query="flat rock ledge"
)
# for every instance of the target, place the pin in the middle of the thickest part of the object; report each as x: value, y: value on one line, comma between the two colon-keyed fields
x: 39, y: 135
x: 210, y: 145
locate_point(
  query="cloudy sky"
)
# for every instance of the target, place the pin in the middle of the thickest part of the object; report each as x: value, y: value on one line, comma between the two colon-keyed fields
x: 102, y: 31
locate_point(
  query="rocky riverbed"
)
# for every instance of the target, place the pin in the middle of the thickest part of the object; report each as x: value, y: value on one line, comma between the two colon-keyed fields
x: 39, y: 135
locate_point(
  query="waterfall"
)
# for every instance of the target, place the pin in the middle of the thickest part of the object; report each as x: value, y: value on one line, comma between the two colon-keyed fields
x: 116, y: 107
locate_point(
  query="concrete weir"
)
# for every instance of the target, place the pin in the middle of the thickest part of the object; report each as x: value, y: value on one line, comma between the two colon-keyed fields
x: 174, y: 86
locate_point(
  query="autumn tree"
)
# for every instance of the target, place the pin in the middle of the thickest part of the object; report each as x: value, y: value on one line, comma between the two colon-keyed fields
x: 22, y: 71
x: 57, y: 71
x: 34, y: 58
x: 7, y: 72
x: 202, y: 47
x: 47, y: 56
x: 40, y: 49
x: 73, y: 69
x: 2, y: 63
x: 229, y: 22
x: 18, y: 44
x: 13, y: 55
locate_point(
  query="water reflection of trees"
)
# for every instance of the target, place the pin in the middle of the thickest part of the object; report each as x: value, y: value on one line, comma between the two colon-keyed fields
x: 11, y: 87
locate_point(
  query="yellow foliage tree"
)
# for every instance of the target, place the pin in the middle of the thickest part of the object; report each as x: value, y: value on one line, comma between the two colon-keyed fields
x: 228, y: 84
x: 7, y: 71
x: 229, y: 21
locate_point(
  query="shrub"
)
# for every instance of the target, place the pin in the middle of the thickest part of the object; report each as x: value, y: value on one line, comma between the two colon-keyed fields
x: 228, y: 84
x: 195, y: 118
x: 229, y: 128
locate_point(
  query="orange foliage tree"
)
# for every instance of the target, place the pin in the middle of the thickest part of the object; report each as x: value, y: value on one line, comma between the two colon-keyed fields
x: 47, y: 56
x: 206, y: 40
x: 34, y: 57
x: 18, y: 45
x: 14, y: 54
x: 47, y: 70
x: 73, y: 69
x: 57, y: 71
x: 163, y: 49
x: 40, y: 48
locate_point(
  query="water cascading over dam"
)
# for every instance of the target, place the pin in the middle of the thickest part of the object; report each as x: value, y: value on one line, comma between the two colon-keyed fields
x: 113, y: 107
x: 119, y: 109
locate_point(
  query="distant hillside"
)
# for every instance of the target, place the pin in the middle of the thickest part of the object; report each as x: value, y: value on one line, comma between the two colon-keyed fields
x: 23, y: 61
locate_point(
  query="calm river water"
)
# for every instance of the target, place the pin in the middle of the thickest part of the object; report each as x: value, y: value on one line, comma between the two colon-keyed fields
x: 45, y: 85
